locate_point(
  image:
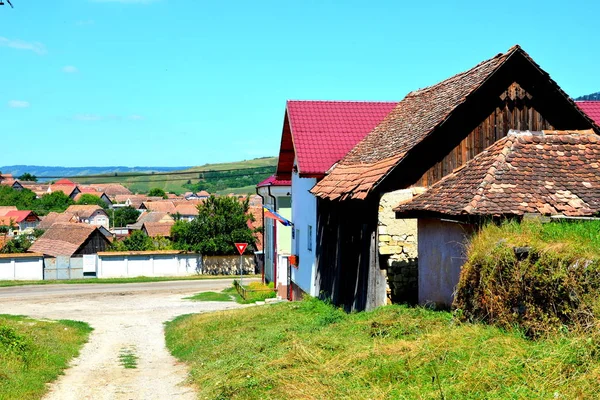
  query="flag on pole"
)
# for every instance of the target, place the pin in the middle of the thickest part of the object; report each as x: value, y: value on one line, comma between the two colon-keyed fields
x: 273, y: 215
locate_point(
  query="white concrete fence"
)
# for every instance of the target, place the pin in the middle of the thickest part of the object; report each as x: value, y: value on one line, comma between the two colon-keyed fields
x: 21, y: 267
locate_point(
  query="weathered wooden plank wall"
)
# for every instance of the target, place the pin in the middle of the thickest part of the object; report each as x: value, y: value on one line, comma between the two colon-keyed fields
x: 514, y: 111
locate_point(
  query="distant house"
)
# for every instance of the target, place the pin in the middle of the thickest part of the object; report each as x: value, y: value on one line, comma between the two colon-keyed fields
x: 6, y: 179
x: 161, y: 229
x: 112, y: 190
x: 550, y: 173
x: 159, y: 205
x: 277, y: 239
x: 153, y: 216
x: 316, y: 135
x: 94, y: 192
x: 66, y: 186
x: 186, y: 212
x: 70, y: 240
x: 21, y: 221
x: 53, y: 218
x: 89, y: 214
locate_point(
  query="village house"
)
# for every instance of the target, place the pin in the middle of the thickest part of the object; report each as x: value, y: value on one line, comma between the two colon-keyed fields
x: 70, y: 240
x: 316, y: 135
x: 20, y: 221
x: 591, y: 108
x: 94, y: 192
x: 277, y: 238
x: 160, y: 229
x: 547, y: 173
x: 152, y: 216
x: 429, y: 133
x: 66, y: 186
x: 112, y: 190
x: 89, y: 214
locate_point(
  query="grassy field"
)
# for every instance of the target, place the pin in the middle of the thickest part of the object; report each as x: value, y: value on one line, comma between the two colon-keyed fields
x: 174, y: 183
x: 256, y: 292
x: 310, y: 350
x: 33, y: 353
x: 211, y: 296
x: 139, y: 279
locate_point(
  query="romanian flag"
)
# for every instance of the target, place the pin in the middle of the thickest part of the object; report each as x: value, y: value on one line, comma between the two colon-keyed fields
x: 272, y: 214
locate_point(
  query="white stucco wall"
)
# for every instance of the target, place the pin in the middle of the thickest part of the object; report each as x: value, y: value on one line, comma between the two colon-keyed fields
x: 304, y: 217
x: 22, y: 268
x: 442, y: 247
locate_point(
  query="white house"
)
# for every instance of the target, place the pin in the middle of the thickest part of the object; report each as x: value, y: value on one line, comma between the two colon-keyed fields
x: 277, y: 238
x: 89, y: 214
x: 316, y: 135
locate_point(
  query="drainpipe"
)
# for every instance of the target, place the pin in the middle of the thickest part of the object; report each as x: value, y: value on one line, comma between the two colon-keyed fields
x: 263, y: 225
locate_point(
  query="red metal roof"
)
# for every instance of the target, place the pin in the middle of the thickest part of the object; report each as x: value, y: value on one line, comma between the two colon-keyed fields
x: 273, y: 181
x: 320, y: 133
x: 591, y: 108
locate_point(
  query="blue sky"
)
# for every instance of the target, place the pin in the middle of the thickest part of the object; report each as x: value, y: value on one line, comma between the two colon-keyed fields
x: 186, y: 82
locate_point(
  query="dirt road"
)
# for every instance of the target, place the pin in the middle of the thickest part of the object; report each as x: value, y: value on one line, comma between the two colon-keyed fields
x: 127, y: 319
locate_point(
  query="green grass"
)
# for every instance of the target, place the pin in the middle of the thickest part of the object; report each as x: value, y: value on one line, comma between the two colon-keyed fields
x: 139, y: 279
x: 210, y: 296
x: 310, y: 350
x: 128, y: 358
x: 174, y: 183
x: 33, y: 353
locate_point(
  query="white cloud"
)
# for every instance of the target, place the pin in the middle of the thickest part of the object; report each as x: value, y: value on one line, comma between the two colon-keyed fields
x: 36, y: 47
x: 18, y: 104
x: 69, y: 69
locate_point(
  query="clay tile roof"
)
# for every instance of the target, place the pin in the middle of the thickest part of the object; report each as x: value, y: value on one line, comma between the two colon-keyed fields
x: 65, y: 182
x: 164, y: 206
x: 53, y: 218
x: 203, y: 193
x: 549, y: 172
x: 83, y: 211
x: 62, y: 239
x: 186, y: 209
x: 591, y: 108
x: 19, y: 215
x: 158, y: 228
x: 111, y: 189
x: 417, y: 116
x: 6, y: 209
x: 273, y: 181
x: 66, y: 189
x: 322, y: 132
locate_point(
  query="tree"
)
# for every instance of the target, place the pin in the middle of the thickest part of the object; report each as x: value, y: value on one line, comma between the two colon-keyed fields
x: 55, y: 201
x: 28, y: 177
x: 22, y: 199
x: 124, y: 216
x: 222, y: 221
x: 88, y: 198
x: 19, y: 244
x: 157, y: 192
x: 138, y: 241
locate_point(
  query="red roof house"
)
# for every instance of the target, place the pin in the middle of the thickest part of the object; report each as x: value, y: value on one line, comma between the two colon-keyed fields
x: 320, y: 133
x: 591, y: 108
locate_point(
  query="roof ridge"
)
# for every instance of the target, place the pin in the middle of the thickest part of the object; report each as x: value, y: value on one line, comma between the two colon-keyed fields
x: 344, y: 101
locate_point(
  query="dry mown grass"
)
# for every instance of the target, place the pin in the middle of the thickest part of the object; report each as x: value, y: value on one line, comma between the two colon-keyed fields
x: 310, y: 350
x: 33, y: 353
x: 551, y: 287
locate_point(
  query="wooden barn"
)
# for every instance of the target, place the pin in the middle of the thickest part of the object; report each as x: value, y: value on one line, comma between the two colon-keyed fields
x: 70, y: 240
x: 431, y: 132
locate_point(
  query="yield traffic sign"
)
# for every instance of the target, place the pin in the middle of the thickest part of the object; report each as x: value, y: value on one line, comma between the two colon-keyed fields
x: 241, y: 247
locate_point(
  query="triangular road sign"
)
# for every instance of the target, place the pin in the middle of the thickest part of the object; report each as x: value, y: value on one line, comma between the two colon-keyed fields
x: 241, y: 247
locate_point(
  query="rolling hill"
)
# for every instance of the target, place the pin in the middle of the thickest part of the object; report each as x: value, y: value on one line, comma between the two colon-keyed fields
x: 234, y: 177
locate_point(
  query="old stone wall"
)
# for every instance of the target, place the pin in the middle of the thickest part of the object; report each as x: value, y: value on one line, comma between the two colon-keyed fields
x: 227, y: 265
x: 398, y: 247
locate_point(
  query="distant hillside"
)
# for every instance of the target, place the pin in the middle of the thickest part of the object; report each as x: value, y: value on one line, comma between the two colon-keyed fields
x: 236, y: 177
x: 38, y: 170
x: 587, y: 97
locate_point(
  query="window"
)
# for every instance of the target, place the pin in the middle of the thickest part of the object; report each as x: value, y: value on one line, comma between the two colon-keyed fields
x: 309, y: 237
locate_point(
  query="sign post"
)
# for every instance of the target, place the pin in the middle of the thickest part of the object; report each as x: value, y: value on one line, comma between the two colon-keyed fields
x: 241, y: 247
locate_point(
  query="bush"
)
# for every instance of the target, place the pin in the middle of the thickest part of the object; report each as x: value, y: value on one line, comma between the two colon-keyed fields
x: 539, y: 278
x: 11, y: 341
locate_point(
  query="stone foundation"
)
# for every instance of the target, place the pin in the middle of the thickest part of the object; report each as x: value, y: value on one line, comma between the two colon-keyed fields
x: 397, y: 240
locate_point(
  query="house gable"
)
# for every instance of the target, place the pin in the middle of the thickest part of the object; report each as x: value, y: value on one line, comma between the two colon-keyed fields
x: 430, y: 123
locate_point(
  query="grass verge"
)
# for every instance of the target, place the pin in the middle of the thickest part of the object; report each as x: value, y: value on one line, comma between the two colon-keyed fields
x: 210, y: 296
x: 33, y: 353
x: 139, y: 279
x: 310, y: 350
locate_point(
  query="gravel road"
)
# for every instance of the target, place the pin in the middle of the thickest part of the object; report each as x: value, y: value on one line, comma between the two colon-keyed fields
x: 125, y: 318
